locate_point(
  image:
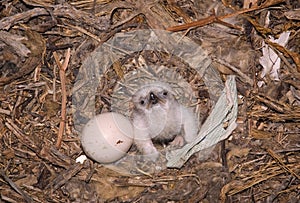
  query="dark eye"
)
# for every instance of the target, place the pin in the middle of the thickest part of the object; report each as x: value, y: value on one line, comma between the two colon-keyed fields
x: 142, y: 102
x: 165, y: 93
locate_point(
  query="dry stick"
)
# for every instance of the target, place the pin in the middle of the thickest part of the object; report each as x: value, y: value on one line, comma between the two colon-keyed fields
x: 20, y: 135
x: 273, y: 104
x: 251, y: 183
x: 65, y: 176
x: 26, y: 197
x: 281, y: 164
x: 84, y: 31
x: 62, y: 75
x: 202, y: 22
x: 213, y: 18
x: 4, y: 111
x: 238, y: 71
x: 54, y: 84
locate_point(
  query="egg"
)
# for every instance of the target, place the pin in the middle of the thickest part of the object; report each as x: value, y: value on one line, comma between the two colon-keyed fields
x: 107, y: 137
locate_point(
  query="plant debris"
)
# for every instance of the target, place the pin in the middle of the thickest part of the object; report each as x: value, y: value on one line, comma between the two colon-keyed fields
x: 45, y: 44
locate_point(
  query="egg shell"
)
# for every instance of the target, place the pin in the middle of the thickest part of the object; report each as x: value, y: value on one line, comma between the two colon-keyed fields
x: 107, y: 137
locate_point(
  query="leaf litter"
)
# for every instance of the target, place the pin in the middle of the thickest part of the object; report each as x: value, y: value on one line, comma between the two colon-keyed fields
x: 256, y: 41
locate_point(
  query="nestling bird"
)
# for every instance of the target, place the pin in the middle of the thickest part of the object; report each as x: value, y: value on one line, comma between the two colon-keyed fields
x: 157, y: 115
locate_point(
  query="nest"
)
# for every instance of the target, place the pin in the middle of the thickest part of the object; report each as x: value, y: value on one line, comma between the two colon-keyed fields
x: 260, y: 160
x: 105, y: 88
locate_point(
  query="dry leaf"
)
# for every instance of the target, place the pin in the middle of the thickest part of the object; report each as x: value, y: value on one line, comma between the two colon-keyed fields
x: 270, y: 60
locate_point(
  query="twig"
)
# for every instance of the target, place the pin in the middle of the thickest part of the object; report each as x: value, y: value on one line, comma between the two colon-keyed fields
x: 26, y: 197
x: 223, y: 155
x: 8, y: 22
x: 217, y: 19
x: 63, y: 177
x: 4, y: 111
x: 198, y: 23
x: 273, y: 104
x: 62, y: 75
x: 277, y: 151
x: 20, y: 135
x: 281, y: 164
x: 84, y: 31
x: 233, y: 68
x: 54, y: 84
x: 64, y: 11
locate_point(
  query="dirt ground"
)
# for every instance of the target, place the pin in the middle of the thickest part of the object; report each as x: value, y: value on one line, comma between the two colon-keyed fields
x: 44, y: 46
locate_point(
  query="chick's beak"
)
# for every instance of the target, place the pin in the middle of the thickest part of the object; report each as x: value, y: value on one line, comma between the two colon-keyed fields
x: 154, y: 99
